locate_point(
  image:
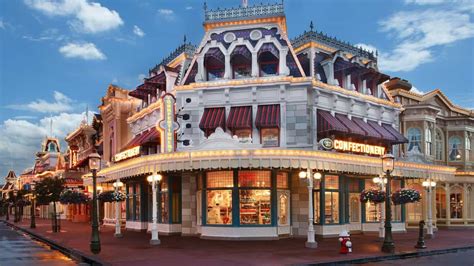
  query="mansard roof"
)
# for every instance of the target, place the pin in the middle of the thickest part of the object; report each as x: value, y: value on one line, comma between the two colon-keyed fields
x: 240, y: 13
x: 187, y: 48
x: 11, y: 175
x: 332, y: 42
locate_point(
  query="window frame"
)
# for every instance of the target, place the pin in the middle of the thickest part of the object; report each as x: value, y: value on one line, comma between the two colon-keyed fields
x: 261, y: 136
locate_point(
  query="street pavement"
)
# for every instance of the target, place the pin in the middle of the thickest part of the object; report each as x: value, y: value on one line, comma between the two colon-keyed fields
x: 18, y: 249
x: 460, y: 258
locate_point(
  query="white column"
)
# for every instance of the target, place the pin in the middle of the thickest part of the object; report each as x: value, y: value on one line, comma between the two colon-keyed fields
x: 382, y: 210
x: 117, y: 216
x: 254, y: 64
x: 283, y: 68
x: 154, y: 227
x: 228, y: 68
x: 430, y: 211
x: 311, y: 62
x: 328, y: 67
x: 311, y: 242
x: 200, y: 76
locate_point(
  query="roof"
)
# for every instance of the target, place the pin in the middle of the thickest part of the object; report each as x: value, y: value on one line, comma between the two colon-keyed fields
x: 187, y: 48
x: 238, y: 13
x: 11, y: 175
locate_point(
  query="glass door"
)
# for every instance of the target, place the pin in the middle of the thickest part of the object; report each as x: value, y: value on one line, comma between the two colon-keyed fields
x: 354, y: 212
x: 283, y: 206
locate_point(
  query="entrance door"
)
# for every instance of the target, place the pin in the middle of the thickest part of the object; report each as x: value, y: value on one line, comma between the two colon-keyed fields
x: 283, y: 207
x: 354, y: 212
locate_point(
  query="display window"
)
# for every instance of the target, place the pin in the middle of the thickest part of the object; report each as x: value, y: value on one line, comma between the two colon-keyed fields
x: 244, y: 135
x: 283, y: 206
x: 219, y: 207
x: 254, y: 179
x: 372, y: 212
x: 317, y: 207
x: 270, y: 137
x: 255, y: 206
x: 456, y: 202
x: 440, y: 203
x: 133, y: 202
x: 396, y: 209
x: 331, y: 182
x: 282, y: 180
x: 331, y: 207
x: 220, y: 179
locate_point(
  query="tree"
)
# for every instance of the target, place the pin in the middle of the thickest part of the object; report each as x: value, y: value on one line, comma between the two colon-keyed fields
x: 49, y: 190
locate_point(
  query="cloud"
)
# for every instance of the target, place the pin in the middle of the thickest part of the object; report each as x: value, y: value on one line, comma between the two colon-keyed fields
x: 424, y: 2
x: 25, y: 117
x: 2, y: 24
x: 167, y: 14
x: 367, y: 47
x: 416, y: 90
x: 47, y: 35
x: 417, y: 33
x: 141, y: 77
x: 21, y: 139
x: 89, y: 17
x: 188, y: 8
x: 61, y: 103
x: 86, y: 51
x: 137, y: 31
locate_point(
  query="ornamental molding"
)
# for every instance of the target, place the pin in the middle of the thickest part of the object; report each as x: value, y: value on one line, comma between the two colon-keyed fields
x: 220, y: 140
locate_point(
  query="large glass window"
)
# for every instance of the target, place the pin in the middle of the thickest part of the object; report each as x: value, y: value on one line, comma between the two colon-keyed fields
x: 414, y: 138
x: 331, y: 199
x: 270, y: 137
x: 396, y: 209
x: 456, y: 202
x: 282, y: 180
x: 219, y: 197
x: 372, y: 211
x: 454, y: 149
x: 317, y: 207
x: 439, y: 145
x: 133, y: 202
x: 254, y: 203
x: 428, y: 142
x: 354, y: 200
x: 415, y: 210
x: 137, y: 197
x: 440, y: 203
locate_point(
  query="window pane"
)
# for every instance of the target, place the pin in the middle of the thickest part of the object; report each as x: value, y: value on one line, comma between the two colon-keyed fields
x: 282, y: 180
x: 316, y: 207
x: 331, y: 182
x: 331, y: 207
x: 283, y: 209
x: 255, y: 206
x: 456, y: 202
x: 372, y: 212
x: 176, y: 198
x: 244, y: 135
x: 130, y: 202
x: 254, y: 179
x: 440, y: 203
x: 219, y: 207
x: 137, y: 202
x: 354, y: 208
x: 354, y: 185
x: 220, y: 179
x: 270, y: 137
x: 164, y: 203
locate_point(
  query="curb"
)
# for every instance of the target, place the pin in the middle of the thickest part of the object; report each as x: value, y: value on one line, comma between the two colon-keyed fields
x: 72, y: 253
x: 399, y: 256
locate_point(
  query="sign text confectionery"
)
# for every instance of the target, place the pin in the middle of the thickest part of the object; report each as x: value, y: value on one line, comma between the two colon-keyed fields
x: 127, y: 154
x: 343, y: 145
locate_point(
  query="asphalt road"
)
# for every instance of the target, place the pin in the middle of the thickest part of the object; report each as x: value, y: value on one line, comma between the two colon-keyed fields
x: 18, y: 249
x: 453, y: 259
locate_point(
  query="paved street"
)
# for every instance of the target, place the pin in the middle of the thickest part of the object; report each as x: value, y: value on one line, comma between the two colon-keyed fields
x: 459, y: 259
x: 18, y: 249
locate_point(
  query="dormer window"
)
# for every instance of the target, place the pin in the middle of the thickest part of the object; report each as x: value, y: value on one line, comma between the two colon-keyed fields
x: 268, y: 60
x: 241, y: 61
x: 214, y: 63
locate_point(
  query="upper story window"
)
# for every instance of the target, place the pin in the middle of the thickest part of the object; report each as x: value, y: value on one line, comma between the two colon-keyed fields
x: 214, y: 64
x: 268, y: 58
x: 241, y: 62
x: 428, y: 142
x: 454, y: 148
x: 468, y: 148
x: 414, y: 138
x: 439, y: 145
x: 268, y: 122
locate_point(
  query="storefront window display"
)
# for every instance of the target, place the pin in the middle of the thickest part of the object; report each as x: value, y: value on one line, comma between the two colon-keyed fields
x: 456, y: 202
x: 317, y: 201
x: 133, y: 201
x: 354, y: 201
x: 331, y: 199
x: 372, y: 210
x: 254, y: 203
x: 219, y: 200
x: 415, y: 210
x: 440, y: 203
x: 396, y: 209
x: 163, y: 202
x: 270, y: 137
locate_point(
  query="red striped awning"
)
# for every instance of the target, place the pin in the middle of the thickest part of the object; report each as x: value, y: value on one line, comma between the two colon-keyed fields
x: 328, y: 123
x: 268, y: 116
x: 370, y: 131
x: 152, y: 135
x: 400, y: 138
x: 382, y: 131
x: 211, y: 119
x: 240, y: 118
x: 351, y: 125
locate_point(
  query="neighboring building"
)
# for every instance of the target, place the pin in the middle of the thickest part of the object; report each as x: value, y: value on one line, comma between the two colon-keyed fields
x: 11, y: 184
x: 440, y: 133
x: 261, y: 109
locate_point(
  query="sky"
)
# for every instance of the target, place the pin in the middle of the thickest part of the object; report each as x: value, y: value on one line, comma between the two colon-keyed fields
x: 57, y: 57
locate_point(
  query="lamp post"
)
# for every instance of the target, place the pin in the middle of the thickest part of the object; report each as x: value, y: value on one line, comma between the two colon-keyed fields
x: 32, y: 212
x: 429, y: 186
x: 381, y: 181
x: 387, y: 167
x: 94, y: 164
x: 117, y: 185
x: 308, y: 176
x: 154, y: 180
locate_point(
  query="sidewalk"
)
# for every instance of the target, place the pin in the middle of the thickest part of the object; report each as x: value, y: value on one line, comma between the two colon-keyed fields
x: 134, y: 249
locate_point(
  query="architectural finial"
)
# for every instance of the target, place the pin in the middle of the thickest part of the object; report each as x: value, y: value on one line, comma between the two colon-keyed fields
x: 205, y: 6
x: 245, y: 3
x: 311, y: 26
x: 184, y: 39
x: 376, y: 53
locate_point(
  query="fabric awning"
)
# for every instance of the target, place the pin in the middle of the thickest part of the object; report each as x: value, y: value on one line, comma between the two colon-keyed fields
x: 370, y: 131
x: 329, y: 123
x: 211, y: 119
x: 149, y: 136
x: 240, y: 118
x: 382, y: 131
x: 268, y: 116
x: 400, y: 138
x: 351, y: 125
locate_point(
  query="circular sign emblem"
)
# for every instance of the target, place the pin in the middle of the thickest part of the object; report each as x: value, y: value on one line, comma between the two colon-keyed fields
x: 327, y: 143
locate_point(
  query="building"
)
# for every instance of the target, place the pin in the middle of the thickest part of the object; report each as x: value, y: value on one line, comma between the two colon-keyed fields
x: 231, y: 123
x: 439, y: 133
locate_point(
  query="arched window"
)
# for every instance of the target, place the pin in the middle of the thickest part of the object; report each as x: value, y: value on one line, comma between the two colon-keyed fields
x: 439, y: 145
x: 214, y: 62
x: 428, y: 142
x: 454, y: 148
x: 52, y: 147
x: 268, y: 57
x: 414, y: 138
x: 456, y: 202
x: 241, y: 61
x: 440, y: 203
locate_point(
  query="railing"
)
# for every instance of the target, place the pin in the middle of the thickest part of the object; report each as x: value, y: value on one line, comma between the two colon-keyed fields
x: 241, y: 12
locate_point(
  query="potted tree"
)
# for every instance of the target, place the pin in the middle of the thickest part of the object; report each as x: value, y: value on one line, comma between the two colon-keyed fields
x: 48, y: 190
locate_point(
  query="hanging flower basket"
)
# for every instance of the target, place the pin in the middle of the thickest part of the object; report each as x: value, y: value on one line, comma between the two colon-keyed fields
x: 73, y: 197
x: 372, y: 195
x: 405, y: 195
x: 111, y: 196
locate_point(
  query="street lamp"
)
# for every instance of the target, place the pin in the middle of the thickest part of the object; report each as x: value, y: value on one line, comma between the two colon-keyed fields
x: 32, y: 211
x: 117, y: 185
x: 387, y: 167
x: 382, y: 181
x: 94, y: 165
x: 309, y: 177
x: 429, y: 186
x: 154, y: 180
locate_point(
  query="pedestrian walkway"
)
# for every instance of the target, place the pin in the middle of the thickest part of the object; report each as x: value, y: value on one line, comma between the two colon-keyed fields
x: 134, y: 247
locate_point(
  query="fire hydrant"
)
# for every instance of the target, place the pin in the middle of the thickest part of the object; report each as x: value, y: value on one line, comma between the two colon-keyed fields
x: 346, y: 244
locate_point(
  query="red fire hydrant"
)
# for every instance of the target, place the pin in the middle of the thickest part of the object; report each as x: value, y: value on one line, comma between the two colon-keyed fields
x: 346, y: 244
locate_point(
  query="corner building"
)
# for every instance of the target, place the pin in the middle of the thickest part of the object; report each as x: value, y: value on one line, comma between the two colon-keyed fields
x: 253, y: 109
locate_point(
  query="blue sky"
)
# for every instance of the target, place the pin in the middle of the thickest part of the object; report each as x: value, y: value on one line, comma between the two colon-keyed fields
x: 58, y: 56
